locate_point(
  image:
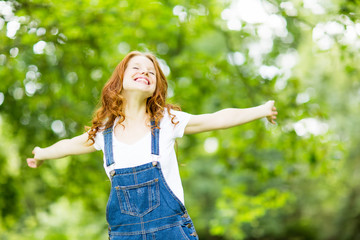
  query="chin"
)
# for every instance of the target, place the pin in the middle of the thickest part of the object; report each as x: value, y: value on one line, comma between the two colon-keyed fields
x: 146, y: 93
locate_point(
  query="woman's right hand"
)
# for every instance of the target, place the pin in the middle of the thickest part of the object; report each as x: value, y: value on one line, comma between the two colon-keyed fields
x: 35, y: 162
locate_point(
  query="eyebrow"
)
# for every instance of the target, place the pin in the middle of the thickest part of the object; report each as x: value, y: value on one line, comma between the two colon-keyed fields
x: 138, y: 64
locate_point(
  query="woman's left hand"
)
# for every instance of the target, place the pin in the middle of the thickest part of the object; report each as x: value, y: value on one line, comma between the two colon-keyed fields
x: 270, y: 111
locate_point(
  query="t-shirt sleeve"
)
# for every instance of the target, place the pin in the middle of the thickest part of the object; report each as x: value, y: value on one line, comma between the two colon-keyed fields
x: 182, y: 118
x: 99, y: 141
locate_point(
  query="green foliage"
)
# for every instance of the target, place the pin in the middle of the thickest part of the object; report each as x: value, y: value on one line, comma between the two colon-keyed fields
x: 296, y: 180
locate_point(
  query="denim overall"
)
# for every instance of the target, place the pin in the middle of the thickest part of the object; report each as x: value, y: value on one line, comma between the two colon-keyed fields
x: 141, y: 205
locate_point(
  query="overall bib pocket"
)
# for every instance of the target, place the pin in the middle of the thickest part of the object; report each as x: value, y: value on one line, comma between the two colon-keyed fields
x: 140, y: 199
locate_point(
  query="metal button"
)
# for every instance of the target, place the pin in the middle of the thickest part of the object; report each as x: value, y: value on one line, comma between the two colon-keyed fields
x: 154, y: 163
x: 189, y: 225
x: 185, y: 215
x: 112, y: 173
x: 193, y: 234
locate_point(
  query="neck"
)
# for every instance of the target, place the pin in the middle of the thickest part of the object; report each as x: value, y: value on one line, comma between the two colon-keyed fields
x: 135, y: 109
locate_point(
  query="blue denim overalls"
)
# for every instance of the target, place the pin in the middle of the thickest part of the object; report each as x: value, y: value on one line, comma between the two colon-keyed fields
x: 141, y: 205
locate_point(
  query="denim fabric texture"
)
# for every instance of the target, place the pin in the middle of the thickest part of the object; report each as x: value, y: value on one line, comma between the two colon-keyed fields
x: 141, y: 205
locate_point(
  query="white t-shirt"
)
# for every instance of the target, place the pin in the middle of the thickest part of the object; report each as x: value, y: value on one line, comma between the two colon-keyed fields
x: 139, y: 153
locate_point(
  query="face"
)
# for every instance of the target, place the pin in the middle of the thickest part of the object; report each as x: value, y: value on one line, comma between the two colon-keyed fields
x: 139, y: 77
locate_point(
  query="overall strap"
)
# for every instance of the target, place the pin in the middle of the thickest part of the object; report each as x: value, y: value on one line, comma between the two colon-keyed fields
x: 154, y: 139
x: 108, y: 148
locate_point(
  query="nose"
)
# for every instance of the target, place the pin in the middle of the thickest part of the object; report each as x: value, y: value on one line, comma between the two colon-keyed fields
x: 145, y: 72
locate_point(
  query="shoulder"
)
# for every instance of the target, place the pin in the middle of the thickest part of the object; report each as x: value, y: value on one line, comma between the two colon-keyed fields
x: 175, y: 115
x: 100, y: 133
x: 103, y: 130
x: 175, y: 122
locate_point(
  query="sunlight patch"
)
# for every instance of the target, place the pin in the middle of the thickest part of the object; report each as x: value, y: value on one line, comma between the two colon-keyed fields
x: 310, y: 126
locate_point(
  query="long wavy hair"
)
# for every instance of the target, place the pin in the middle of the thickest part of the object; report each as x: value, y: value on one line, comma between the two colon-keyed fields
x: 112, y: 103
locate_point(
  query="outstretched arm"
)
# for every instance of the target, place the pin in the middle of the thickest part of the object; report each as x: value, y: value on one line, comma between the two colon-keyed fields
x: 63, y: 148
x: 230, y: 117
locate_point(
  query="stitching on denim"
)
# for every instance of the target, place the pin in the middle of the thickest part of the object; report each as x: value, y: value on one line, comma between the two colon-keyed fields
x: 154, y: 139
x: 128, y: 209
x: 127, y: 200
x: 131, y: 224
x: 142, y: 227
x: 152, y: 144
x: 157, y: 192
x: 183, y: 233
x: 106, y: 131
x: 157, y: 141
x: 169, y: 190
x: 108, y: 146
x: 108, y: 205
x: 135, y: 178
x: 138, y: 171
x: 119, y: 199
x: 139, y: 185
x: 152, y: 136
x: 146, y: 232
x: 150, y: 196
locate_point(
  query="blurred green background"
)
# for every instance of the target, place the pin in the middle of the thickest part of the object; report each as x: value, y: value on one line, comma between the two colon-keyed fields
x: 296, y: 180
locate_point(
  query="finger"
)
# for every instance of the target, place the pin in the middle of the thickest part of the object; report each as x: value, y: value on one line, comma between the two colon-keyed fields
x: 31, y: 162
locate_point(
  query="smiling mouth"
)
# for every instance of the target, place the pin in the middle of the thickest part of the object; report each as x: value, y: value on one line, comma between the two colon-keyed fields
x: 142, y: 80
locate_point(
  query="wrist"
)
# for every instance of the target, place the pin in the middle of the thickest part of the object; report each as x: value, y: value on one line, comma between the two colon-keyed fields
x: 264, y: 110
x: 40, y: 154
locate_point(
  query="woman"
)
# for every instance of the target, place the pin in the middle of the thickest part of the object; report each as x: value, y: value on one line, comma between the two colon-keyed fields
x: 136, y: 130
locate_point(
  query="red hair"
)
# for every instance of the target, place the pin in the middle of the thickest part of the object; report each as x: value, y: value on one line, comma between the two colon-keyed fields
x: 113, y: 103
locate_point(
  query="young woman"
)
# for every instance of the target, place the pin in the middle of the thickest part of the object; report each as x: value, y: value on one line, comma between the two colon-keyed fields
x: 136, y: 130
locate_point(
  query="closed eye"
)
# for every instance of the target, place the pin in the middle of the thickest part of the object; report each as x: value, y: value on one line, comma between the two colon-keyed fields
x: 152, y: 73
x: 136, y: 68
